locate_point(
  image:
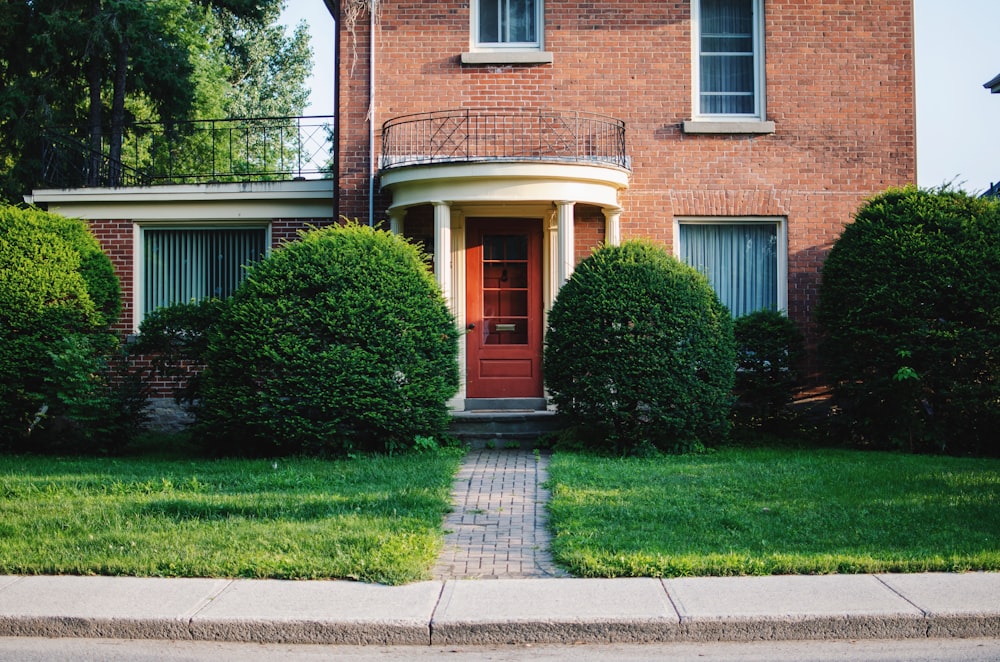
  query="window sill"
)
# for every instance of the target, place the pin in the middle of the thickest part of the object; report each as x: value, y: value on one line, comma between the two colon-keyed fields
x: 507, y: 57
x: 723, y: 126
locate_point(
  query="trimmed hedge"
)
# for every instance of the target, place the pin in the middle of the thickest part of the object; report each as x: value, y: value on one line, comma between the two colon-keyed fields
x: 175, y: 339
x: 58, y: 298
x: 910, y: 305
x: 769, y: 350
x: 336, y: 343
x: 639, y: 351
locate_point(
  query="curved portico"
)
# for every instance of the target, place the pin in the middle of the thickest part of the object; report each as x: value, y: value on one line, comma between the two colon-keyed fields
x: 524, y: 190
x: 546, y: 191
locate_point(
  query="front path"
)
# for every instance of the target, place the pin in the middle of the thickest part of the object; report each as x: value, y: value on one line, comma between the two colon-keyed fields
x: 497, y: 528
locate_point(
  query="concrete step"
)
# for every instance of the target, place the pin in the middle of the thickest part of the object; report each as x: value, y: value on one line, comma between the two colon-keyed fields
x: 506, y: 404
x: 504, y: 428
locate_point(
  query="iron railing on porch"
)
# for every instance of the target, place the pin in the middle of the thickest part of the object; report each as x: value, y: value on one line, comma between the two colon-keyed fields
x: 218, y: 150
x: 507, y: 135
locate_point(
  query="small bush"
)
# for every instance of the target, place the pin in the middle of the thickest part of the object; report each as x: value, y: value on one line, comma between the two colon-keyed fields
x: 769, y: 349
x: 639, y: 351
x: 175, y: 338
x: 58, y: 377
x: 335, y: 343
x: 910, y: 305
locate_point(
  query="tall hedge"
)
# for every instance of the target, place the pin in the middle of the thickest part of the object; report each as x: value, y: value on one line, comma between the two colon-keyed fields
x: 910, y: 305
x: 58, y: 298
x: 335, y: 343
x: 769, y: 352
x: 639, y: 351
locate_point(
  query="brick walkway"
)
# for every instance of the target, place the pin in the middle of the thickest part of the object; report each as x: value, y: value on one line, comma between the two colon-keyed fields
x: 497, y: 528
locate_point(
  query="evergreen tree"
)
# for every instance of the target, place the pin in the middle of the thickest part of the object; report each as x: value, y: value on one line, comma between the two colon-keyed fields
x: 104, y: 63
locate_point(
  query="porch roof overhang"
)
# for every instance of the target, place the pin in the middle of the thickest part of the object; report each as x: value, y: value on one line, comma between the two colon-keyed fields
x: 504, y: 181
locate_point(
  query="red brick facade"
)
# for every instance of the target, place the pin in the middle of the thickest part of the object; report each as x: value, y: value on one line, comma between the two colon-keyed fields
x: 117, y: 238
x: 839, y: 89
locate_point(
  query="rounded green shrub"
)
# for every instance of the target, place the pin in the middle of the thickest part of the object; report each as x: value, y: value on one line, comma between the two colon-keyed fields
x: 769, y: 351
x: 910, y: 306
x: 336, y: 343
x: 639, y: 351
x: 58, y: 298
x: 175, y: 340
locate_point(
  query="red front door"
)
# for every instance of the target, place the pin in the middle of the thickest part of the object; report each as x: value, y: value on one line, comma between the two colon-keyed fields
x: 504, y: 308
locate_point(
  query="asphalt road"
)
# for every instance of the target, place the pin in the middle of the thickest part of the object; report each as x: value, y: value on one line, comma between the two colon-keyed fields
x: 108, y: 650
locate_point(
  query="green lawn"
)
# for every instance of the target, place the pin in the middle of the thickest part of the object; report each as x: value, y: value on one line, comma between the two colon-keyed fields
x: 774, y: 511
x: 376, y: 519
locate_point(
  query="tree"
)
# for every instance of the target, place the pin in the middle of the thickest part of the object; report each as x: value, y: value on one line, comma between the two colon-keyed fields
x: 267, y: 69
x: 104, y: 63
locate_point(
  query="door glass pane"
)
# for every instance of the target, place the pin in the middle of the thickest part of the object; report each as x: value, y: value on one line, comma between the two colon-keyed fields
x: 505, y: 289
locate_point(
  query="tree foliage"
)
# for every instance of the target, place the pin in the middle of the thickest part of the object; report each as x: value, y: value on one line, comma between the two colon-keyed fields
x: 910, y: 306
x: 58, y: 298
x: 102, y: 64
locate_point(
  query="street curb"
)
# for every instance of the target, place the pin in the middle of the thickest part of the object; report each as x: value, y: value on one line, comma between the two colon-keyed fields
x: 503, y: 612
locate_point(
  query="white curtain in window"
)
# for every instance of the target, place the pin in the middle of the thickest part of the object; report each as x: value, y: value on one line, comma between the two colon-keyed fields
x: 740, y: 261
x: 185, y: 265
x: 727, y: 57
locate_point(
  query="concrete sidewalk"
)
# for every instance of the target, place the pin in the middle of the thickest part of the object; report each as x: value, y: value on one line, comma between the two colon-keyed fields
x: 505, y: 611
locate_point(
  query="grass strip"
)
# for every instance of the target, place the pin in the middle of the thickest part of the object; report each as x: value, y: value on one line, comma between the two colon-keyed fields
x: 372, y: 518
x: 760, y: 511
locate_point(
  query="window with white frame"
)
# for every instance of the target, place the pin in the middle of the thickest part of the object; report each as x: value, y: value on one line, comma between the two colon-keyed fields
x: 182, y: 264
x: 744, y: 260
x: 728, y: 59
x: 507, y: 24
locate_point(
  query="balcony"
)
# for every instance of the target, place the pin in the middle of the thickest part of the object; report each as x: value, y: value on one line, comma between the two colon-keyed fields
x: 530, y: 135
x: 271, y: 149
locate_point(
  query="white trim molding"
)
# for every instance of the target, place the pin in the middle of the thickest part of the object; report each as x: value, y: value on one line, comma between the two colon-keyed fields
x: 311, y: 198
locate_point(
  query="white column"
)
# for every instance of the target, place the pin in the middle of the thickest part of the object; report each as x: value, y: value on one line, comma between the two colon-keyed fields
x: 612, y: 226
x: 567, y: 244
x: 396, y: 217
x: 551, y: 277
x: 442, y: 247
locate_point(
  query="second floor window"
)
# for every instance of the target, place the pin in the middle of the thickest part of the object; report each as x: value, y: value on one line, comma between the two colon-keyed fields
x: 507, y: 23
x: 728, y: 57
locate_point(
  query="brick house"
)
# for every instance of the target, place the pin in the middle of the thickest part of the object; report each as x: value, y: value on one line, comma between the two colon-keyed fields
x: 513, y: 136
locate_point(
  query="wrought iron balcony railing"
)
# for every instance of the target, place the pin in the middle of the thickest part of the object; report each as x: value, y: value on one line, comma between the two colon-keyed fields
x: 452, y: 136
x: 227, y: 150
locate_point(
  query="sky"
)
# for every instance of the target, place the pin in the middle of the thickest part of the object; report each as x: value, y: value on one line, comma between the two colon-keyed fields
x: 957, y: 50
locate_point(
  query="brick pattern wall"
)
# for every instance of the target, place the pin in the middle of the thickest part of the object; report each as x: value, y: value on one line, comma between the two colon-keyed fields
x: 117, y: 239
x: 839, y: 87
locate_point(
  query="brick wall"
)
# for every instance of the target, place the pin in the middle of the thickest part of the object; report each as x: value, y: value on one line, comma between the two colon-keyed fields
x: 117, y: 239
x: 839, y: 87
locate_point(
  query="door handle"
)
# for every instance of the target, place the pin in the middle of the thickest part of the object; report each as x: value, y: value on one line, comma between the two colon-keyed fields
x: 471, y: 326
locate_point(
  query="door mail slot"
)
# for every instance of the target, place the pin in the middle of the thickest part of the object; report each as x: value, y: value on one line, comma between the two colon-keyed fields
x: 508, y: 328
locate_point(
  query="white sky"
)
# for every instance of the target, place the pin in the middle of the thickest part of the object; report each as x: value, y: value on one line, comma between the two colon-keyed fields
x: 957, y: 50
